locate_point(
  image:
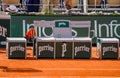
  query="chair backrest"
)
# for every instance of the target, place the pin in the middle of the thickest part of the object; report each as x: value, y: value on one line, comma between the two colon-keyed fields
x: 83, y: 28
x: 62, y: 29
x: 62, y: 33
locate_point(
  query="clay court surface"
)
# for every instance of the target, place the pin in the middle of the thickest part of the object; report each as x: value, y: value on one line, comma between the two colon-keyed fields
x: 58, y: 68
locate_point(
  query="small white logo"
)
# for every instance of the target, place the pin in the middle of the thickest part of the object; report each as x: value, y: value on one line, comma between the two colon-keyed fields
x: 16, y: 48
x: 64, y: 49
x: 47, y: 47
x: 81, y: 48
x: 109, y: 48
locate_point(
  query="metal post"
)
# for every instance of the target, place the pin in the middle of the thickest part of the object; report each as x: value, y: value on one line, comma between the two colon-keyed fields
x: 24, y: 4
x: 48, y: 5
x: 79, y: 4
x: 59, y: 4
x: 85, y: 6
x: 95, y: 5
x: 0, y: 5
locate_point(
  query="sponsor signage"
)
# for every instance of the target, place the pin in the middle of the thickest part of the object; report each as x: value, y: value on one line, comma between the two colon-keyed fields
x: 44, y: 48
x: 4, y: 31
x: 82, y: 49
x: 103, y: 26
x: 61, y: 24
x: 64, y: 48
x: 109, y: 48
x: 16, y: 48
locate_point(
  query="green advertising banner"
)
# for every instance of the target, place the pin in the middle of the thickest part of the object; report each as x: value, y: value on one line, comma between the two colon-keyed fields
x: 4, y: 31
x: 104, y: 26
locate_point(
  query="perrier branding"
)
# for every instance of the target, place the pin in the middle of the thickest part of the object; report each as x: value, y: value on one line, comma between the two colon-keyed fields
x: 82, y: 48
x: 64, y: 48
x: 45, y: 49
x: 109, y: 48
x: 16, y: 48
x: 109, y: 51
x: 62, y: 24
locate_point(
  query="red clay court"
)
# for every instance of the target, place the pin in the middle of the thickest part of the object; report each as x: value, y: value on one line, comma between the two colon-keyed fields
x: 58, y: 68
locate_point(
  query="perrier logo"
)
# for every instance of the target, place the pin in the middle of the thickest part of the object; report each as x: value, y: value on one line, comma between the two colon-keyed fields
x: 16, y: 48
x: 64, y: 49
x: 45, y: 48
x: 61, y: 24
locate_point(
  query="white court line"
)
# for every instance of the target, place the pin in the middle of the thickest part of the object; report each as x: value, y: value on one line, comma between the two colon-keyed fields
x: 115, y: 69
x: 62, y: 77
x: 71, y: 69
